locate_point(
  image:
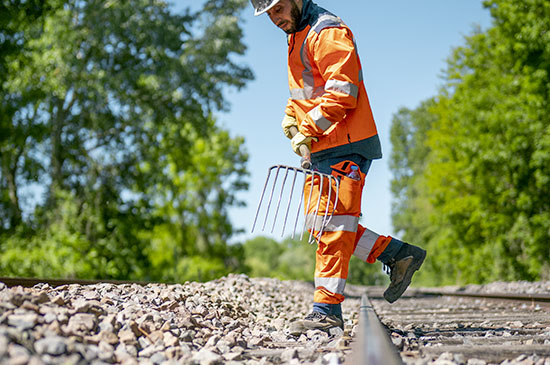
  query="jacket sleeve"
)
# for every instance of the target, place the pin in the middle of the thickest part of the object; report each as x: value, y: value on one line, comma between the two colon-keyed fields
x: 335, y: 56
x: 289, y: 110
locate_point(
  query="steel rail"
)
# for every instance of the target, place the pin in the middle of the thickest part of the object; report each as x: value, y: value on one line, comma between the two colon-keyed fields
x: 372, y: 346
x: 525, y: 297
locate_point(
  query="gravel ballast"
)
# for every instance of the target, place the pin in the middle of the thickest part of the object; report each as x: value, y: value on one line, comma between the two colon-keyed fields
x: 234, y: 319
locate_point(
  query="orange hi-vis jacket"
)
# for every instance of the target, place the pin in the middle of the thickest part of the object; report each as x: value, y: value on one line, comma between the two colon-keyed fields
x: 327, y: 94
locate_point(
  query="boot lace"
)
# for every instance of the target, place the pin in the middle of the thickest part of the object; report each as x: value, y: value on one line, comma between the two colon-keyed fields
x: 387, y: 268
x: 314, y: 315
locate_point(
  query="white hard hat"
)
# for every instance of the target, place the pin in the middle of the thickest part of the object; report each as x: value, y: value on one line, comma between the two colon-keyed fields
x: 261, y: 6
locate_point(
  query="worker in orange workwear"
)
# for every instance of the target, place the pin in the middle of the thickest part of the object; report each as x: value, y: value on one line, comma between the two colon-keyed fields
x: 329, y: 105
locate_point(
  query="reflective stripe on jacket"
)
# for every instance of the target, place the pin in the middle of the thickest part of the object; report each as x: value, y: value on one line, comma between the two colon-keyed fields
x: 327, y: 94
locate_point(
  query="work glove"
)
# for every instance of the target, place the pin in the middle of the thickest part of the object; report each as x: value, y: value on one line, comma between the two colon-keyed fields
x: 289, y: 121
x: 298, y: 140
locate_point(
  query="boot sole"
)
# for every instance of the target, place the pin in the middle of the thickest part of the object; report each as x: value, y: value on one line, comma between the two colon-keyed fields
x: 317, y: 326
x: 302, y: 328
x: 392, y: 297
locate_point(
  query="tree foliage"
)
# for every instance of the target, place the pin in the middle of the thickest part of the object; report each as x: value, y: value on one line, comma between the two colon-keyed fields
x: 288, y: 259
x: 108, y: 111
x: 292, y: 259
x: 472, y: 164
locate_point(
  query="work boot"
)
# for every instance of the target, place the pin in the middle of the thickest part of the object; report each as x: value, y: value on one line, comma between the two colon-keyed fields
x: 402, y: 267
x: 316, y: 321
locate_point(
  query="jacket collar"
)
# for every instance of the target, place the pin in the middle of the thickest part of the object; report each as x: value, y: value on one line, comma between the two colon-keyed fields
x: 307, y: 13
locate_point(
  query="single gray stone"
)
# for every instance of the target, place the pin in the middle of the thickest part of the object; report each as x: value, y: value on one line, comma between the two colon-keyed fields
x: 23, y: 321
x: 81, y: 305
x: 4, y: 342
x: 150, y: 351
x: 128, y: 349
x: 170, y: 340
x: 158, y: 358
x: 127, y: 336
x: 206, y: 357
x: 40, y: 298
x: 223, y: 347
x: 212, y: 341
x: 306, y: 353
x: 106, y: 352
x: 91, y: 295
x: 49, y: 317
x: 18, y: 351
x: 108, y: 337
x: 53, y: 345
x: 35, y: 360
x: 289, y: 354
x: 91, y: 352
x: 19, y: 360
x: 108, y: 323
x: 476, y: 362
x: 144, y: 342
x: 187, y: 335
x: 336, y: 331
x: 59, y: 300
x: 232, y: 356
x: 82, y: 322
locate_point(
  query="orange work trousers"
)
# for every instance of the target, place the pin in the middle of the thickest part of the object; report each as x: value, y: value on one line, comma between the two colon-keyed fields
x: 342, y: 235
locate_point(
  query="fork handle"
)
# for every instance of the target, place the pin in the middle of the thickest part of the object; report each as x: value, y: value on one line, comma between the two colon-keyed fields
x: 304, y: 151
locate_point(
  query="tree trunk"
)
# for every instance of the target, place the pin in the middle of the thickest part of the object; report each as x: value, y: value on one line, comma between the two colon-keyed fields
x: 9, y: 170
x: 56, y: 157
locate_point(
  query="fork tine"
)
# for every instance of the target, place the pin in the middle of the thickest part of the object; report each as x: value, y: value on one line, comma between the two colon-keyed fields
x: 309, y: 175
x: 290, y: 201
x: 279, y: 200
x: 300, y: 205
x: 337, y: 181
x: 261, y: 198
x: 271, y: 196
x: 308, y: 202
x: 325, y: 220
x: 310, y: 241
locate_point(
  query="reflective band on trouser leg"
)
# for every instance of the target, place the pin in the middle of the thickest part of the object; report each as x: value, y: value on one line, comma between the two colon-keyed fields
x: 335, y: 223
x: 335, y: 245
x: 331, y: 266
x: 370, y: 245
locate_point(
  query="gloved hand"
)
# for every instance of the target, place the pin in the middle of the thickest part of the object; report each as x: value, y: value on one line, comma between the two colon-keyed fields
x: 298, y: 140
x: 288, y: 121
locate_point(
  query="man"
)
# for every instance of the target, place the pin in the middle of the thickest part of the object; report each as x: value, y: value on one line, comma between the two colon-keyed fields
x: 329, y: 106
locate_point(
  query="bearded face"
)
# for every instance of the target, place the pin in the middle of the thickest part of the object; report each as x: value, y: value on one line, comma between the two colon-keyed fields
x: 286, y: 14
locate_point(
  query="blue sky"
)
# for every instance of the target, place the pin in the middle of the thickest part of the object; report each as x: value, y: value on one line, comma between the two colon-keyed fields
x: 403, y: 46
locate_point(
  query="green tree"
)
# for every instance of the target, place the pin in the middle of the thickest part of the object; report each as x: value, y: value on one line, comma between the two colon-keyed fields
x: 483, y: 206
x: 294, y: 259
x: 297, y: 261
x: 262, y: 256
x: 289, y: 259
x: 20, y: 23
x: 411, y: 208
x: 191, y: 207
x: 112, y: 108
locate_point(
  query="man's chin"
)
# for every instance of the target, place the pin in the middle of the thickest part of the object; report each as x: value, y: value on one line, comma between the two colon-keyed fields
x: 290, y: 30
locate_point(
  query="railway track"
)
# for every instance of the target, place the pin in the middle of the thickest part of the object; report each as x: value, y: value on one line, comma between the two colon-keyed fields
x: 430, y: 326
x: 423, y: 327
